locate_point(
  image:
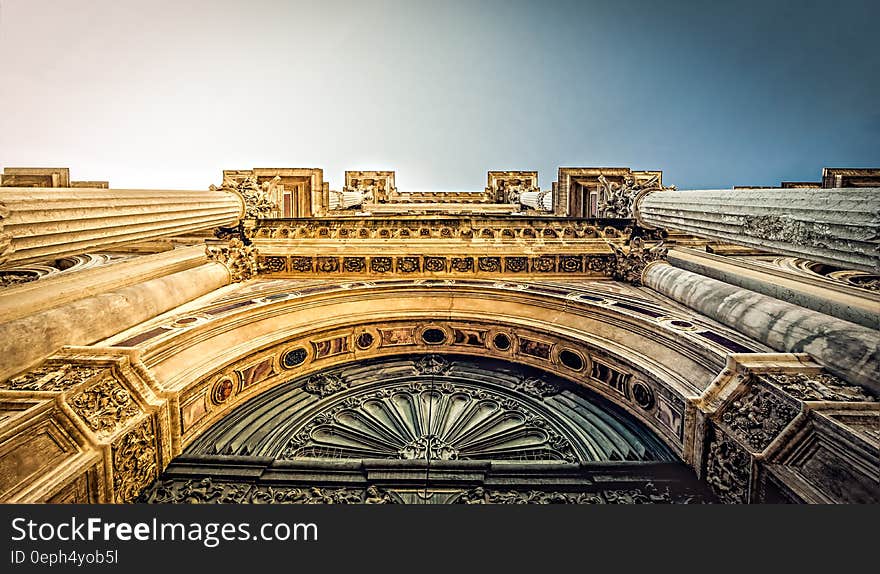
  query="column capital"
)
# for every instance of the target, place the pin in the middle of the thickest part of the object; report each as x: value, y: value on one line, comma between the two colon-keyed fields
x: 239, y: 259
x: 254, y: 197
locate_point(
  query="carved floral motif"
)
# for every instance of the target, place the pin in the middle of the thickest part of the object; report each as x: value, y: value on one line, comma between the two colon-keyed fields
x: 134, y: 462
x: 432, y: 365
x: 105, y: 406
x: 758, y: 416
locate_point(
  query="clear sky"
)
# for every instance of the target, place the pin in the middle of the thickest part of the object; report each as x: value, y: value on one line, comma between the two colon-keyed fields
x: 167, y: 93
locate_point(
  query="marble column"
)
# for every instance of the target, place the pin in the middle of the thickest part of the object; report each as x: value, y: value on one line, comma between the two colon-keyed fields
x: 839, y: 227
x: 27, y: 339
x: 818, y: 294
x: 846, y: 349
x: 37, y: 224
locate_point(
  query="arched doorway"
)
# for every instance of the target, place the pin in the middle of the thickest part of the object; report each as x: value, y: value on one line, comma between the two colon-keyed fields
x: 428, y: 428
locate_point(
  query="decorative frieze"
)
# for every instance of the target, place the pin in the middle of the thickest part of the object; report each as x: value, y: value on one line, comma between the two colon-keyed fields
x: 416, y: 229
x: 817, y: 387
x: 52, y: 377
x: 209, y: 491
x: 648, y: 494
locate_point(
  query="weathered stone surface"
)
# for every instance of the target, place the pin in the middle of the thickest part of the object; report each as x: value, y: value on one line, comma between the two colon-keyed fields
x: 833, y: 226
x: 845, y: 349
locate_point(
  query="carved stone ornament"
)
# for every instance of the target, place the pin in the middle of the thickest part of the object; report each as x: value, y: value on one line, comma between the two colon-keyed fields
x: 817, y: 387
x: 537, y: 388
x: 628, y: 265
x: 209, y: 491
x: 134, y: 462
x: 256, y: 197
x: 649, y: 494
x: 430, y: 422
x: 240, y: 259
x: 728, y: 469
x: 788, y: 230
x: 616, y: 200
x: 52, y: 378
x: 105, y: 406
x: 325, y: 384
x: 758, y: 417
x: 432, y: 365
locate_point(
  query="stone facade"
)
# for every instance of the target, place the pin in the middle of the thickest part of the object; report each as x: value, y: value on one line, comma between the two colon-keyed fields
x: 478, y: 339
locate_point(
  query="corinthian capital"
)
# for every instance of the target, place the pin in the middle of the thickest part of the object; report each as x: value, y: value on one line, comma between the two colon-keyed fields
x: 629, y: 265
x: 258, y: 203
x: 239, y: 259
x: 620, y: 200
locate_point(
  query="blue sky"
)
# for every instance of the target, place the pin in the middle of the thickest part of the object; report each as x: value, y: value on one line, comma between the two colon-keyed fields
x: 166, y: 94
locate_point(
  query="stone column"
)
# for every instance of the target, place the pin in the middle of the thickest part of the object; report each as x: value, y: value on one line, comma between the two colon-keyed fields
x: 26, y: 340
x: 43, y: 223
x: 818, y: 294
x: 846, y: 349
x: 833, y: 226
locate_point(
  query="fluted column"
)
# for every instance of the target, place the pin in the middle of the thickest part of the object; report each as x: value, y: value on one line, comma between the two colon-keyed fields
x: 538, y: 200
x: 838, y: 227
x: 846, y: 349
x: 43, y: 223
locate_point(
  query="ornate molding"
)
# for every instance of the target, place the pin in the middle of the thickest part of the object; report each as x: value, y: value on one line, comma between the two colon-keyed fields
x: 597, y: 265
x: 135, y: 462
x: 105, y: 407
x: 255, y: 196
x: 240, y: 259
x: 209, y: 491
x: 629, y: 265
x: 51, y: 378
x: 649, y: 494
x: 524, y: 228
x: 817, y: 387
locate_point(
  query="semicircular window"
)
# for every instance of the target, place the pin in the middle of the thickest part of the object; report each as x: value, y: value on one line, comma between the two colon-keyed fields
x: 432, y: 408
